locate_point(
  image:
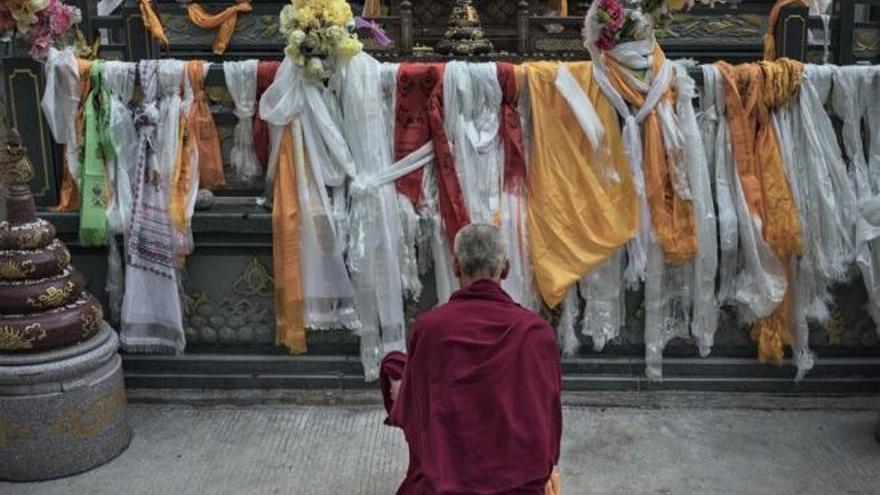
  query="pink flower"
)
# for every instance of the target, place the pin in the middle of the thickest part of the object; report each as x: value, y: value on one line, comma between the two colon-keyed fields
x: 40, y: 47
x: 60, y: 21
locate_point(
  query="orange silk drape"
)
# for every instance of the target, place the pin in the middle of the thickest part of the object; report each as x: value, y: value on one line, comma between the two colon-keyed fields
x: 68, y: 199
x: 671, y: 216
x: 560, y: 6
x: 152, y: 23
x: 225, y: 21
x: 203, y: 131
x: 373, y: 8
x: 752, y: 92
x: 289, y: 311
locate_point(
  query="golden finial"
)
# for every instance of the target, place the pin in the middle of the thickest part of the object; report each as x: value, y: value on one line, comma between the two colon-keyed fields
x: 15, y: 167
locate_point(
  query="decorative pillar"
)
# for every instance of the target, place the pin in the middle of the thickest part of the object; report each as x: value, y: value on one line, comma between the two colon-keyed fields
x: 406, y: 27
x: 523, y: 14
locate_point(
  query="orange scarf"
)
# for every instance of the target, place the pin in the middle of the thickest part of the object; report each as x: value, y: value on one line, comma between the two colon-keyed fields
x: 225, y: 21
x: 373, y: 8
x: 204, y: 131
x: 180, y: 180
x: 672, y: 217
x: 560, y: 6
x: 289, y: 312
x: 152, y: 23
x: 68, y: 199
x: 752, y: 91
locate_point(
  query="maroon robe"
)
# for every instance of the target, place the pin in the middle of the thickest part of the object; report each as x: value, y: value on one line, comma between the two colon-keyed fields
x: 479, y: 400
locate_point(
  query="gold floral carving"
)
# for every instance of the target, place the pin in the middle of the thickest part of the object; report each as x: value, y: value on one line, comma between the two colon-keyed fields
x: 53, y: 297
x: 13, y: 434
x: 20, y: 339
x: 10, y: 270
x: 255, y: 280
x: 90, y: 320
x: 87, y: 420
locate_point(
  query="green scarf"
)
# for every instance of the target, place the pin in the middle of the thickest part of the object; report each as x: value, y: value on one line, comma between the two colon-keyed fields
x: 97, y: 147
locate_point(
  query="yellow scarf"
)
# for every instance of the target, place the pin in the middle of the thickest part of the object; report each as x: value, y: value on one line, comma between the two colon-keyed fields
x: 225, y: 21
x: 578, y: 216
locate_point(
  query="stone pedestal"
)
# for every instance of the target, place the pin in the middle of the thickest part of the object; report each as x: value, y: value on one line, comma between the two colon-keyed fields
x: 62, y: 412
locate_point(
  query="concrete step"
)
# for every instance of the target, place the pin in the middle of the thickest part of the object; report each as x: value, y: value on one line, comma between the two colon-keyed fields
x: 343, y: 372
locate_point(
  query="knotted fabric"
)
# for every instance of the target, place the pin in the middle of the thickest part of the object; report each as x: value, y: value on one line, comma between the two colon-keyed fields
x: 152, y: 317
x: 241, y: 80
x: 97, y: 147
x: 419, y: 119
x: 69, y: 195
x: 203, y: 131
x: 751, y: 92
x: 265, y: 76
x: 511, y: 129
x: 152, y: 23
x: 225, y: 21
x: 671, y: 210
x: 119, y: 78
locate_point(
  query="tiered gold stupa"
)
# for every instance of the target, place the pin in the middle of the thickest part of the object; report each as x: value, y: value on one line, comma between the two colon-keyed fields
x: 43, y: 304
x: 464, y: 36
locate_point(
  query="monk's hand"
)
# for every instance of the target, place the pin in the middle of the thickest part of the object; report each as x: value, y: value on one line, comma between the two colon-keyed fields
x: 395, y: 389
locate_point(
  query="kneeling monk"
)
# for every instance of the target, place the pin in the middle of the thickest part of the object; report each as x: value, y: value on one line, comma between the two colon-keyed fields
x: 478, y: 397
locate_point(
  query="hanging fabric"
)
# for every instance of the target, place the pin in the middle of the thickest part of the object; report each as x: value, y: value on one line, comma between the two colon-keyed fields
x: 265, y: 76
x: 69, y: 195
x: 374, y: 217
x: 852, y: 99
x: 372, y: 9
x: 241, y: 80
x: 152, y: 316
x: 419, y: 119
x: 323, y: 161
x: 560, y: 6
x: 565, y: 334
x: 704, y: 321
x: 119, y: 79
x: 716, y: 138
x: 97, y: 147
x: 152, y: 22
x: 62, y: 98
x: 578, y: 214
x: 519, y: 283
x: 289, y: 313
x: 224, y: 21
x: 752, y: 92
x: 203, y: 130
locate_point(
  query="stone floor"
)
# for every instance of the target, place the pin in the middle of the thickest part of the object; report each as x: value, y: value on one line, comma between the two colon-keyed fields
x: 344, y: 449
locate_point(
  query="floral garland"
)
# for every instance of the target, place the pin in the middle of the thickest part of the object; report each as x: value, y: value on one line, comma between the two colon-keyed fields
x: 39, y: 23
x: 319, y: 32
x: 610, y: 22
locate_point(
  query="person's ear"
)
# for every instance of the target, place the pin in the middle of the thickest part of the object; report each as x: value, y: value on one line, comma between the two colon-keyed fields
x: 456, y: 267
x: 506, y: 270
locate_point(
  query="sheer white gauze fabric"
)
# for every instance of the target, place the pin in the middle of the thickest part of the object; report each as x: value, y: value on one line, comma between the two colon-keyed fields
x: 241, y: 79
x: 668, y: 295
x: 826, y: 202
x: 152, y: 316
x: 760, y: 282
x: 327, y: 288
x: 61, y: 102
x: 472, y: 106
x: 854, y: 100
x: 433, y: 238
x: 565, y: 333
x: 603, y: 288
x: 183, y: 239
x: 705, y: 305
x: 119, y: 78
x: 408, y: 219
x: 716, y: 143
x: 374, y: 218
